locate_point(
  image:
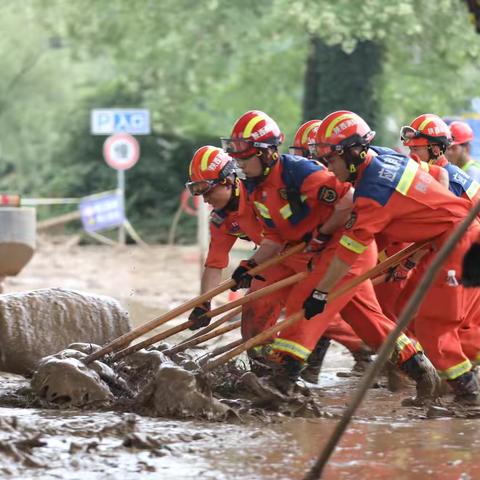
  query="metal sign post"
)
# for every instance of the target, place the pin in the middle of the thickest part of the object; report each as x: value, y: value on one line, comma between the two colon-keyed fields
x: 121, y: 152
x: 121, y: 189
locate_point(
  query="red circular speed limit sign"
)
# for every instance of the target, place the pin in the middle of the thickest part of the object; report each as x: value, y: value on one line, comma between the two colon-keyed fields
x: 121, y: 151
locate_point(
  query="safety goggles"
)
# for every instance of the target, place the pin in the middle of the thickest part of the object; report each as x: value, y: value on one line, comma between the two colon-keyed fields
x: 317, y: 151
x: 408, y: 133
x: 202, y: 187
x: 302, y: 152
x: 239, y: 146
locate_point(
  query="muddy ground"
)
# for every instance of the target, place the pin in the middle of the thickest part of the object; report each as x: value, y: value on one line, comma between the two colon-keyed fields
x: 386, y: 440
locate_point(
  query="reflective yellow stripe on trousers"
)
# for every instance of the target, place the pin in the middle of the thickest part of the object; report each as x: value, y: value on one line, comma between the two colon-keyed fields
x: 287, y: 346
x: 455, y: 371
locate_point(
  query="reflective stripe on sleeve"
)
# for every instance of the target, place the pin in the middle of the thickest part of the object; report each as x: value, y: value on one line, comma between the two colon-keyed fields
x: 407, y: 177
x: 353, y: 245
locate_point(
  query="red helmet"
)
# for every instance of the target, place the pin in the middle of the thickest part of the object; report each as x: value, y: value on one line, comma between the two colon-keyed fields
x: 341, y: 130
x: 303, y: 137
x: 461, y: 133
x: 253, y: 130
x: 209, y: 167
x: 425, y: 130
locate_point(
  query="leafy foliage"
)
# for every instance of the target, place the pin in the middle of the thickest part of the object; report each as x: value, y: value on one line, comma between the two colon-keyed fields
x: 197, y: 66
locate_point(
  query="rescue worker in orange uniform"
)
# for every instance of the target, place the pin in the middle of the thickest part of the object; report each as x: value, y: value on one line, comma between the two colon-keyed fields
x: 339, y: 330
x: 458, y: 151
x: 295, y: 197
x: 212, y: 174
x: 427, y: 138
x: 395, y: 196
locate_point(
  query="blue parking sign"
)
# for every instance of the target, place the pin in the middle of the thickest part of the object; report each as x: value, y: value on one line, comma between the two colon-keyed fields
x: 102, y: 211
x: 105, y: 121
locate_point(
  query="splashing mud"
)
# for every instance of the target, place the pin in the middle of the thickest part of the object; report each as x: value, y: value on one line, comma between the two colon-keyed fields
x: 42, y: 322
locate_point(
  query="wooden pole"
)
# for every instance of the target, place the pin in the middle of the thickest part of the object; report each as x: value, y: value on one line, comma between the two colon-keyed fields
x: 387, y: 347
x: 269, y: 332
x: 125, y: 339
x: 203, y: 338
x: 241, y: 301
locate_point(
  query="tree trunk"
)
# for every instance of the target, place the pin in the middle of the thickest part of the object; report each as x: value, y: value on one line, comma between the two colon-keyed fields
x: 335, y: 80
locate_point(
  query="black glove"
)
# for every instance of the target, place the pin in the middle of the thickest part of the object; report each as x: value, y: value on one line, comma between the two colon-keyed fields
x: 241, y: 276
x: 315, y: 304
x: 400, y: 272
x: 316, y: 242
x: 198, y: 316
x: 471, y: 266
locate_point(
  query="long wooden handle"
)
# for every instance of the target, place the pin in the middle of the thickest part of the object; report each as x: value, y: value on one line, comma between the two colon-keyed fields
x: 123, y: 340
x: 213, y: 325
x: 218, y: 351
x: 150, y: 341
x: 254, y: 341
x: 203, y: 338
x: 269, y: 332
x: 392, y: 261
x: 236, y: 303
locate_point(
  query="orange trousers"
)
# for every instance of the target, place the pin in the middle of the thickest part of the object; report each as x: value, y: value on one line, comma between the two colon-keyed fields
x: 359, y: 307
x: 447, y: 324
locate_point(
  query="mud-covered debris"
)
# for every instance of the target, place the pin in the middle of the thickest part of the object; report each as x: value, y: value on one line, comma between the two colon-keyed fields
x: 82, y: 447
x: 126, y: 425
x: 435, y: 411
x: 174, y: 392
x: 64, y: 379
x: 142, y: 441
x: 19, y: 449
x: 69, y: 382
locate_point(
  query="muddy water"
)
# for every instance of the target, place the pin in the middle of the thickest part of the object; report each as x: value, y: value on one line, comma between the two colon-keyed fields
x: 385, y: 441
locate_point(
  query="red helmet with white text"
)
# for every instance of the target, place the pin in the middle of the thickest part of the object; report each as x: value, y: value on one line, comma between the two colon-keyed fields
x: 339, y: 131
x: 303, y: 137
x: 254, y: 130
x: 210, y: 166
x: 426, y: 129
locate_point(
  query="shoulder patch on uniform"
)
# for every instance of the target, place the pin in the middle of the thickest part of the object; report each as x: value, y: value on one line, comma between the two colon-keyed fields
x: 283, y: 193
x: 327, y: 195
x: 351, y: 221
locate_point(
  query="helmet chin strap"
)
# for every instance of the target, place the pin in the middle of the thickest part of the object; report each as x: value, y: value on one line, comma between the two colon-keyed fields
x: 432, y: 157
x: 232, y: 204
x: 353, y: 161
x: 266, y: 165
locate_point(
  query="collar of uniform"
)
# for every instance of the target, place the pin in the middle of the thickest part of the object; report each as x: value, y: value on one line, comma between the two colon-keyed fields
x: 441, y: 161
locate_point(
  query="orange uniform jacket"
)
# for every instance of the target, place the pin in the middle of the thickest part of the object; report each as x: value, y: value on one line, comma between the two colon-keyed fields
x: 393, y: 195
x: 227, y: 226
x: 319, y: 190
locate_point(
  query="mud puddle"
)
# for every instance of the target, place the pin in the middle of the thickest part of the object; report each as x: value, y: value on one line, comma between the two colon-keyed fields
x: 385, y: 441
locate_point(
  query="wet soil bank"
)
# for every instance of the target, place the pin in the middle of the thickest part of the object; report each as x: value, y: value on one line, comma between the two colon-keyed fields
x: 386, y: 440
